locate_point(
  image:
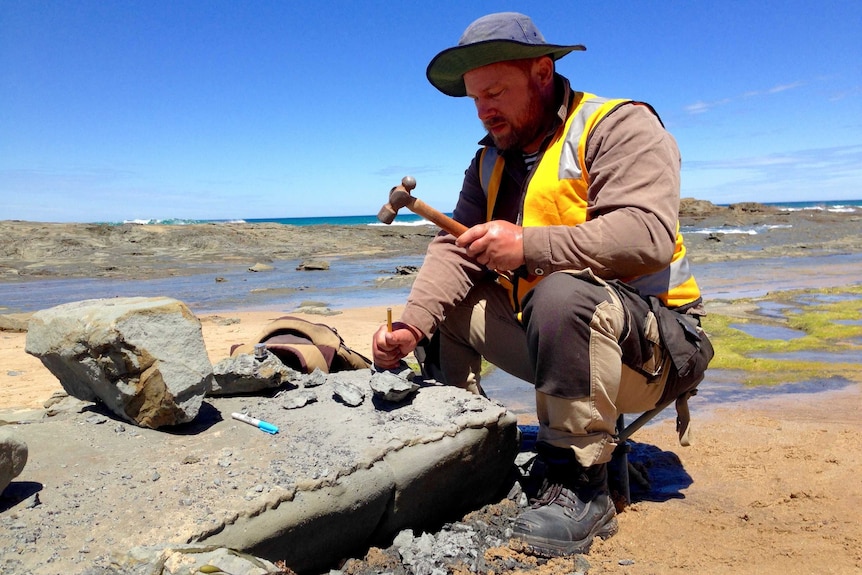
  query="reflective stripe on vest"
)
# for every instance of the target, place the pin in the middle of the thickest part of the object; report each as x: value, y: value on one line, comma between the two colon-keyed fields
x: 490, y: 174
x: 557, y: 192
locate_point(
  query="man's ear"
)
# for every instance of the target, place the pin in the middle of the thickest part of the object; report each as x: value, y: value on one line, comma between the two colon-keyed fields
x: 543, y: 70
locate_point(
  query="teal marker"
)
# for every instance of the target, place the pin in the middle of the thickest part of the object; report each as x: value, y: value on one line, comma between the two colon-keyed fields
x: 262, y: 425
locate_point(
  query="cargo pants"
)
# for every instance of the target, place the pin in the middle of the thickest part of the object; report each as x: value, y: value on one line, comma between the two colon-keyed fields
x: 592, y: 351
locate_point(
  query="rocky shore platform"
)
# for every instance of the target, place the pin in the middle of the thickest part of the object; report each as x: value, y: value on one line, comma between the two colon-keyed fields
x: 33, y: 250
x: 100, y: 495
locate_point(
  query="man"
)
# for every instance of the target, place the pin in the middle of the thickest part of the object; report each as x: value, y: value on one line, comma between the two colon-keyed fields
x: 572, y: 274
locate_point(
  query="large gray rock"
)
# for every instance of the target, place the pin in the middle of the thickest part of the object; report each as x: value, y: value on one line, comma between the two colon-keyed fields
x: 144, y: 358
x: 13, y: 457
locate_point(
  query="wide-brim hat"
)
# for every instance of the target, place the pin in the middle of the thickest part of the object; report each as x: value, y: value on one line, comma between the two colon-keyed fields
x: 490, y: 39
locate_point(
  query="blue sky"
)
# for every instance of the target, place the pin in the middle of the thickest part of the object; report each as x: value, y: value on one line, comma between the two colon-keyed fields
x: 113, y: 110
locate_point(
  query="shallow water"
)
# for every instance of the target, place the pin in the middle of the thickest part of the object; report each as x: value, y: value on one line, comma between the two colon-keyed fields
x: 761, y: 331
x: 758, y: 277
x: 817, y: 356
x: 353, y: 283
x: 718, y: 388
x: 776, y: 310
x: 826, y: 298
x: 348, y: 283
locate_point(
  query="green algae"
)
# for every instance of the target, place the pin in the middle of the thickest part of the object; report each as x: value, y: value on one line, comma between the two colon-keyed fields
x: 820, y: 323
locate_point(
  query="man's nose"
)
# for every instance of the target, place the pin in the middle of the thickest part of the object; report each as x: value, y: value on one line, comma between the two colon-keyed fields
x: 485, y: 110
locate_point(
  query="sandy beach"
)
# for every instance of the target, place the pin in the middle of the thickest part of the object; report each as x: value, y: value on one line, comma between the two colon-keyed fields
x: 774, y: 482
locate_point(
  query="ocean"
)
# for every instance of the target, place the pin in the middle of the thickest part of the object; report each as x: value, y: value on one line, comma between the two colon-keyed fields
x: 406, y: 218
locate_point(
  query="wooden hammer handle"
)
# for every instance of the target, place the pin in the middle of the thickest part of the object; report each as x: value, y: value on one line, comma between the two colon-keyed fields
x: 443, y: 221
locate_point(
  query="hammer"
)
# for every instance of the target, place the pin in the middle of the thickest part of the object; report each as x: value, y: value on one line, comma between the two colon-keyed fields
x: 400, y: 197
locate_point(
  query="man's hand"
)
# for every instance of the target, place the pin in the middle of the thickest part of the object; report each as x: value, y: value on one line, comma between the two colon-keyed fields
x: 498, y: 245
x: 389, y: 347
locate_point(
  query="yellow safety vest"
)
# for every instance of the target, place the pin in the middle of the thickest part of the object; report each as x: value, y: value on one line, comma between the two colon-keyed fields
x: 557, y: 195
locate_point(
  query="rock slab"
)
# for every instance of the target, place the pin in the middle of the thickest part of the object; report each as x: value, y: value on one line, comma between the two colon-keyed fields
x: 143, y: 358
x: 13, y: 457
x: 334, y: 480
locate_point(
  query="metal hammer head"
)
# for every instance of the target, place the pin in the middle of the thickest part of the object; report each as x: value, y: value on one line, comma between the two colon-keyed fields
x: 398, y: 198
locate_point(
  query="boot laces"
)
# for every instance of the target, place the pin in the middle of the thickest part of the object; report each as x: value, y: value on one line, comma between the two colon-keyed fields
x: 549, y: 493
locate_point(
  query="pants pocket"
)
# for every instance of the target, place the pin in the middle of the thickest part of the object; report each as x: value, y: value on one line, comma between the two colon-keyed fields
x: 654, y: 352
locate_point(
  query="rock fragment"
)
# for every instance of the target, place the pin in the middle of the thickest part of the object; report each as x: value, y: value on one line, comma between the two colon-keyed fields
x: 316, y: 309
x: 246, y: 374
x: 14, y: 322
x: 314, y: 379
x: 313, y: 265
x: 348, y: 393
x: 391, y: 387
x: 297, y: 399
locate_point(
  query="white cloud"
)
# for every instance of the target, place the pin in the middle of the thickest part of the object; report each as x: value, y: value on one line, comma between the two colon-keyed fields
x: 697, y: 108
x: 784, y: 87
x: 828, y: 173
x: 700, y: 106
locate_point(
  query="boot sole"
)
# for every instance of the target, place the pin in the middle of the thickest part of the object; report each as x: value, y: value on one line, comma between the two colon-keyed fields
x: 549, y: 548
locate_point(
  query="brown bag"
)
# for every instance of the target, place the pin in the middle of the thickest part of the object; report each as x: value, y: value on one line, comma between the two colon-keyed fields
x: 306, y: 346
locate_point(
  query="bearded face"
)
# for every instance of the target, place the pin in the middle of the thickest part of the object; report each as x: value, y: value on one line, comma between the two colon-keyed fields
x: 521, y: 127
x: 512, y: 101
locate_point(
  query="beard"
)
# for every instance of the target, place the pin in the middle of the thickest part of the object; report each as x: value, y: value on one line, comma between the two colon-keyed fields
x: 525, y: 128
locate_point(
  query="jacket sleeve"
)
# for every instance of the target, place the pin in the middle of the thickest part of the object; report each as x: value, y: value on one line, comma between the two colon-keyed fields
x: 447, y: 273
x: 633, y: 166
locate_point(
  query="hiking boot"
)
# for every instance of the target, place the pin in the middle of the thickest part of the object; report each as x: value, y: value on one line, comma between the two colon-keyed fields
x: 572, y: 508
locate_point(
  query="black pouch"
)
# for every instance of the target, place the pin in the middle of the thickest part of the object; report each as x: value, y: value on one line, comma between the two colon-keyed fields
x: 642, y: 345
x: 688, y: 346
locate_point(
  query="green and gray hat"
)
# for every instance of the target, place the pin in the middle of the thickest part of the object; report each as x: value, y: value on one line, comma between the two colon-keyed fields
x: 490, y: 39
